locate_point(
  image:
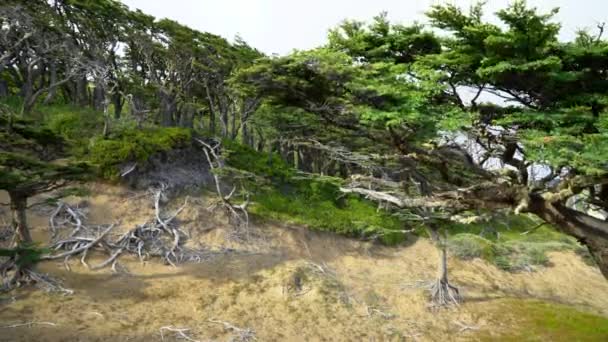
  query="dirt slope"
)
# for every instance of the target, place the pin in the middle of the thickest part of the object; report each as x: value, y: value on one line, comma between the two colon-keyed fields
x: 286, y: 284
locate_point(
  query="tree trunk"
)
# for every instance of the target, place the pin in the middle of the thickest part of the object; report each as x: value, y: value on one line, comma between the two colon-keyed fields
x: 244, y: 133
x: 19, y: 221
x: 99, y: 97
x: 186, y: 119
x: 168, y: 107
x: 82, y: 93
x: 53, y: 89
x: 233, y: 130
x: 442, y: 292
x: 118, y: 104
x: 590, y: 231
x: 211, y: 110
x: 3, y: 88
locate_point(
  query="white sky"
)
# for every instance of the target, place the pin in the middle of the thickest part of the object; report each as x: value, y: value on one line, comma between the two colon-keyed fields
x: 278, y: 26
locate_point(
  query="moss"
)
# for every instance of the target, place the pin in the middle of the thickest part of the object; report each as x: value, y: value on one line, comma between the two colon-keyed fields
x: 542, y: 321
x: 134, y: 145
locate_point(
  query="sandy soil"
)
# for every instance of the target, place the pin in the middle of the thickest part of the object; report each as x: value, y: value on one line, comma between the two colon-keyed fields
x: 288, y: 284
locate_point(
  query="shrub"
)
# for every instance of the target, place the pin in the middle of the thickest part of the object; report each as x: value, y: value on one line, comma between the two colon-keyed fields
x: 132, y: 144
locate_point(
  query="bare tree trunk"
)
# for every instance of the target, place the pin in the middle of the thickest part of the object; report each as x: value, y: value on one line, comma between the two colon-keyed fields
x: 3, y: 88
x: 223, y: 116
x: 118, y: 104
x: 53, y: 81
x: 442, y: 292
x: 211, y: 109
x: 82, y: 93
x: 233, y: 130
x: 186, y: 119
x: 588, y: 230
x: 168, y: 107
x: 99, y: 97
x: 19, y: 221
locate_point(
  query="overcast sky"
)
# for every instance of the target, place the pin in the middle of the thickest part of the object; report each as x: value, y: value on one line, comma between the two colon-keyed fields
x: 278, y: 26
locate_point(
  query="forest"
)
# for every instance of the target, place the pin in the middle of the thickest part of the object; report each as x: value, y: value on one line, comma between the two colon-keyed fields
x: 485, y: 139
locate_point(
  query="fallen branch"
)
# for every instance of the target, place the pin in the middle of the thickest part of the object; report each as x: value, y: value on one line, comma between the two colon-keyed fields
x: 181, y: 332
x: 243, y: 335
x: 28, y: 324
x: 80, y: 249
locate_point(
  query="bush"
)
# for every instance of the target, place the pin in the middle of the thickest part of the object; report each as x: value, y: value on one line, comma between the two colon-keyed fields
x: 512, y: 252
x: 470, y: 246
x: 133, y: 144
x: 314, y: 201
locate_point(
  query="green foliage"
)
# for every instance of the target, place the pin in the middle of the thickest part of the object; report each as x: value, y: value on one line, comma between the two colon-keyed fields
x: 268, y: 165
x: 73, y: 123
x: 29, y: 158
x: 132, y: 144
x: 508, y: 242
x: 25, y: 255
x: 312, y: 201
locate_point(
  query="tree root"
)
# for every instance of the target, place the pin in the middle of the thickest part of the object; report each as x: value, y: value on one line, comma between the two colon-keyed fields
x: 238, y: 213
x: 180, y: 332
x: 444, y: 294
x: 160, y: 237
x: 241, y: 334
x: 15, y: 276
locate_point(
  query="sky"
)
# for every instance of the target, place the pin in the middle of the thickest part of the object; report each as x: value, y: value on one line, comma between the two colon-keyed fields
x: 279, y: 26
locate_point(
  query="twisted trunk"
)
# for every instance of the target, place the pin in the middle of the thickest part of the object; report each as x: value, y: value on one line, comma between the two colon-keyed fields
x: 590, y: 231
x: 19, y: 221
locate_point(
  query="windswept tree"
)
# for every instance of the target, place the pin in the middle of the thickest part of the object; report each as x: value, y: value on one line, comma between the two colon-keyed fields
x: 29, y: 166
x: 538, y: 157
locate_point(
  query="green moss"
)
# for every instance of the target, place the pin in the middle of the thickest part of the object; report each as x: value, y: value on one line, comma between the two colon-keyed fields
x: 134, y: 145
x: 542, y: 321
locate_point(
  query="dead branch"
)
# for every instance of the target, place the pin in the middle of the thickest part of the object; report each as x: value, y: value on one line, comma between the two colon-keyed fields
x: 242, y: 334
x: 79, y: 249
x: 28, y: 324
x: 181, y: 332
x: 464, y: 327
x: 238, y: 213
x: 159, y: 237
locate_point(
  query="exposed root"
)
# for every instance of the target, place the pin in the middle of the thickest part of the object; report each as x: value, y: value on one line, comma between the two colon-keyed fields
x: 179, y: 332
x: 28, y: 324
x: 238, y: 213
x: 15, y: 276
x: 160, y: 237
x: 464, y: 327
x: 240, y: 334
x: 444, y: 294
x: 371, y: 311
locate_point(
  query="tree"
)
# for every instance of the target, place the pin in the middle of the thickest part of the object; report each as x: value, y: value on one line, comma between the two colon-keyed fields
x: 408, y: 112
x: 28, y: 167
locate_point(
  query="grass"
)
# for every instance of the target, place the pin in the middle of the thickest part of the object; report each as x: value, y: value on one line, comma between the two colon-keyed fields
x: 511, y: 242
x: 542, y: 321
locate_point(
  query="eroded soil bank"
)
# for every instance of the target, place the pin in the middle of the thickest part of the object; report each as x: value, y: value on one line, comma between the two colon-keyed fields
x: 292, y: 284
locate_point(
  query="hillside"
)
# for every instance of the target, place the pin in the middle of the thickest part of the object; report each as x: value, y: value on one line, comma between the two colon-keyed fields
x: 436, y: 180
x: 291, y: 283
